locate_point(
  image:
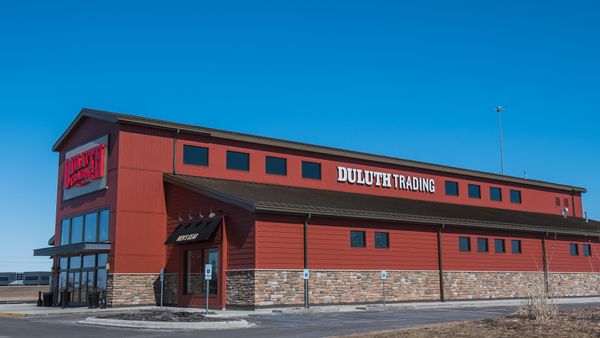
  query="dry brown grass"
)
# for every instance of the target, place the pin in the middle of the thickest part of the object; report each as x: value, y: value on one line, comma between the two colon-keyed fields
x: 25, y: 293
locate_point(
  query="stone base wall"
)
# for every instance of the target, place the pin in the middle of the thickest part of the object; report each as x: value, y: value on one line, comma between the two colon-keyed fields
x: 125, y: 289
x: 574, y: 284
x: 240, y: 288
x: 490, y: 285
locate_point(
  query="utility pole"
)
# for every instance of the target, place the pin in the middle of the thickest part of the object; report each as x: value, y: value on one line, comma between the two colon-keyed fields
x: 499, y: 110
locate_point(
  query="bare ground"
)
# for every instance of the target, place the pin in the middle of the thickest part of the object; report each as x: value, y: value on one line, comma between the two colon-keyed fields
x: 24, y: 293
x: 573, y: 323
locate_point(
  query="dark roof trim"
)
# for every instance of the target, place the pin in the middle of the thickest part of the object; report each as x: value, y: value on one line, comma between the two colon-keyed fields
x: 72, y: 249
x: 155, y: 123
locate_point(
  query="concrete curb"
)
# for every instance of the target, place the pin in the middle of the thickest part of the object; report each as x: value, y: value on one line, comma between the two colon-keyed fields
x: 138, y: 324
x: 12, y: 315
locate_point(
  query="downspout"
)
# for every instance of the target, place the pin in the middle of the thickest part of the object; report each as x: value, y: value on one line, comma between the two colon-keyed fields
x: 175, y: 150
x: 440, y: 266
x: 573, y: 201
x: 306, y: 297
x: 545, y: 262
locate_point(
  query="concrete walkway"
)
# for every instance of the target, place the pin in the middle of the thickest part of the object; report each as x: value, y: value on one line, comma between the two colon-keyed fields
x: 31, y: 310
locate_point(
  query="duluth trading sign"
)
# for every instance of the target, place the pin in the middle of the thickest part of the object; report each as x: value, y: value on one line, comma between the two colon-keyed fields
x: 385, y: 180
x: 85, y: 168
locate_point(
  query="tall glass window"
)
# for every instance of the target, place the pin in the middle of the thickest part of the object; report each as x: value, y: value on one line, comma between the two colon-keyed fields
x: 90, y: 228
x: 238, y: 161
x: 77, y: 229
x: 65, y: 231
x: 103, y: 225
x: 213, y: 259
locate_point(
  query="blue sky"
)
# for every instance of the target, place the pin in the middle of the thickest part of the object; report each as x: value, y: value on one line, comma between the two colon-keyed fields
x: 415, y: 80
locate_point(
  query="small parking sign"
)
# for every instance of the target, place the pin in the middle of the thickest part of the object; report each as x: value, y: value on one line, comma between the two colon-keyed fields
x: 383, y: 274
x: 208, y: 271
x: 306, y: 274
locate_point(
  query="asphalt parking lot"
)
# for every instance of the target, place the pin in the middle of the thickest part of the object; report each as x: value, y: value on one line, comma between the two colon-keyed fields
x: 278, y: 325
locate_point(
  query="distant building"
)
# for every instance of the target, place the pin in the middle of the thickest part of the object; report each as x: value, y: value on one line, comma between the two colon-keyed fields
x: 28, y: 278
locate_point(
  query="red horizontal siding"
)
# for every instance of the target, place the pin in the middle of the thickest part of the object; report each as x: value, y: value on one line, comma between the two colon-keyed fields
x: 453, y: 259
x: 560, y: 259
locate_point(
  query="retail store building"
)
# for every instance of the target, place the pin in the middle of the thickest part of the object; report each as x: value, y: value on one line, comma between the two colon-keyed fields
x: 137, y: 195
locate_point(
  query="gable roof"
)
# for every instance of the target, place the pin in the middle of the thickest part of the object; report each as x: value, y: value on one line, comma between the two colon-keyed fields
x: 228, y: 135
x: 269, y: 198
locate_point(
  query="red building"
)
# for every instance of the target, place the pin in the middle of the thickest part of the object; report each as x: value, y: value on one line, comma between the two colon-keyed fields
x: 137, y: 195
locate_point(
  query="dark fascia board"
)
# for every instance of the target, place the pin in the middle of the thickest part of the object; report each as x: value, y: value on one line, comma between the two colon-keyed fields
x: 72, y: 248
x: 301, y: 211
x: 173, y: 179
x: 180, y: 127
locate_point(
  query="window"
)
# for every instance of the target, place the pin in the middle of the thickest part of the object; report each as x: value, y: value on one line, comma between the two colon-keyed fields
x: 499, y: 246
x: 102, y: 260
x: 495, y: 194
x: 557, y: 201
x: 574, y: 249
x: 89, y: 232
x: 515, y: 245
x: 89, y: 261
x: 65, y: 231
x: 311, y: 170
x: 31, y: 278
x: 276, y: 165
x: 464, y: 244
x: 474, y: 191
x: 382, y: 240
x: 587, y: 250
x: 3, y: 279
x: 238, y: 161
x: 515, y: 196
x: 482, y: 245
x: 451, y: 188
x: 195, y: 155
x: 566, y: 202
x: 103, y: 225
x: 77, y: 229
x: 75, y: 262
x: 357, y: 239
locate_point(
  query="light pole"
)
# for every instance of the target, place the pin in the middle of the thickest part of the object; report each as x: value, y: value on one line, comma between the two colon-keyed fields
x: 499, y: 110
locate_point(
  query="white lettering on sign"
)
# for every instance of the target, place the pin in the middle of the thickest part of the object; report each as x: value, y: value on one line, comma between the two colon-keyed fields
x: 189, y: 237
x: 385, y: 180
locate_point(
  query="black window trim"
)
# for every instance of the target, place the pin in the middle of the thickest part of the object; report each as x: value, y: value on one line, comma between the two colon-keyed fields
x: 576, y: 246
x: 446, y: 188
x: 469, y: 191
x: 496, y: 240
x: 195, y: 164
x: 279, y: 158
x: 364, y: 242
x: 487, y: 244
x: 387, y: 234
x: 97, y: 211
x: 500, y: 190
x: 520, y: 196
x: 468, y: 249
x: 311, y: 178
x: 236, y: 169
x: 520, y: 246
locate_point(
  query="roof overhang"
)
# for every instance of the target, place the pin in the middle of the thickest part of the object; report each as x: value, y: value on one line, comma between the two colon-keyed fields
x: 70, y: 249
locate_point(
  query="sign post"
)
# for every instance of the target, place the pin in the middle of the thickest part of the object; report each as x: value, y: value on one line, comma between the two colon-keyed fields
x: 207, y: 278
x: 162, y: 286
x: 383, y: 278
x: 306, y: 276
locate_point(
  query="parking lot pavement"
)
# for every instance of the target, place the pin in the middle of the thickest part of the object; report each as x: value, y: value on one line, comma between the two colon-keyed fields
x: 284, y: 325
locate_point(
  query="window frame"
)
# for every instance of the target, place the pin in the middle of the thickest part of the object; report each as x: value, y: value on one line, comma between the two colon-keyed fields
x: 311, y: 163
x: 492, y: 195
x: 487, y: 244
x: 587, y: 250
x: 478, y: 191
x: 520, y: 195
x: 455, y: 183
x: 503, y: 246
x: 467, y: 240
x: 575, y: 252
x: 519, y: 246
x: 387, y: 239
x: 234, y: 152
x: 190, y: 146
x: 267, y: 157
x: 364, y: 239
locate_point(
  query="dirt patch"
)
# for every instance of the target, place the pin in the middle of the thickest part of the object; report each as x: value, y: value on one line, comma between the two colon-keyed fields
x: 163, y: 316
x: 574, y: 323
x: 27, y: 293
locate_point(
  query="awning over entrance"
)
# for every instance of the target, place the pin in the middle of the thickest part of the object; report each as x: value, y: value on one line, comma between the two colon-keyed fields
x: 195, y: 231
x: 70, y: 249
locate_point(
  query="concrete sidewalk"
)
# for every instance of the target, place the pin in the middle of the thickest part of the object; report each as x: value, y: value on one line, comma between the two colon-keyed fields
x: 30, y: 310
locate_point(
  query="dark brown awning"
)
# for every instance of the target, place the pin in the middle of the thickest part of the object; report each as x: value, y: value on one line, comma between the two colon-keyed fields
x: 269, y: 198
x: 195, y: 231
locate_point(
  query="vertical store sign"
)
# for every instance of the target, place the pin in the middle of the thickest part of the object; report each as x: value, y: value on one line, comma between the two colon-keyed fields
x: 85, y: 168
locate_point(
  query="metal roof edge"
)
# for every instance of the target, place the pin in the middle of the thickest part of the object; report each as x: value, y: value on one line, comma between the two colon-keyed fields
x: 85, y: 112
